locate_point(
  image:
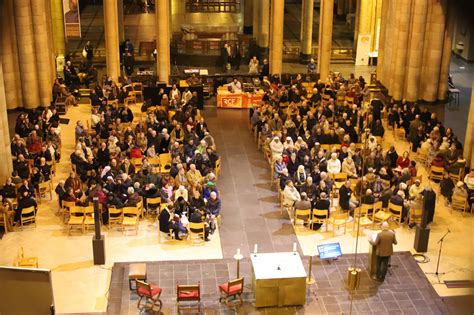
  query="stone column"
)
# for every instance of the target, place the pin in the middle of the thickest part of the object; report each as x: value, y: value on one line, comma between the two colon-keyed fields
x: 366, y: 19
x: 381, y: 50
x: 307, y: 31
x: 325, y: 37
x: 403, y: 27
x: 5, y: 152
x: 415, y: 53
x: 394, y: 40
x: 256, y: 16
x: 121, y: 28
x: 248, y: 16
x: 52, y: 56
x: 276, y: 49
x: 26, y: 53
x: 112, y: 53
x: 57, y: 22
x: 469, y: 138
x: 435, y: 42
x: 447, y: 51
x: 43, y: 63
x: 162, y: 39
x: 8, y: 60
x: 264, y: 29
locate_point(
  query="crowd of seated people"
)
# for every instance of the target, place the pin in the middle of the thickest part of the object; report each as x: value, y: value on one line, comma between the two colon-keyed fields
x: 310, y: 138
x: 122, y: 162
x: 35, y: 148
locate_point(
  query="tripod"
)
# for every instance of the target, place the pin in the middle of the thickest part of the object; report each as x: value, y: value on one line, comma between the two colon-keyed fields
x: 437, y: 273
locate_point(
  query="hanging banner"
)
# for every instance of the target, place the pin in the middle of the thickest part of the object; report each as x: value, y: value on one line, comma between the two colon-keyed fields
x: 363, y: 49
x: 72, y: 20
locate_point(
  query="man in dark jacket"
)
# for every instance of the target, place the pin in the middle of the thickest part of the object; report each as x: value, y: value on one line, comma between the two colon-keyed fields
x: 26, y: 201
x: 345, y: 194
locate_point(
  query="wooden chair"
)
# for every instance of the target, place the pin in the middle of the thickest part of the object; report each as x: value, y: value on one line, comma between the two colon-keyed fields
x: 339, y: 179
x: 88, y: 217
x: 231, y: 289
x: 218, y: 168
x: 415, y: 216
x: 302, y: 214
x: 165, y: 162
x: 131, y: 216
x: 379, y: 213
x: 196, y: 233
x: 66, y: 207
x: 436, y: 173
x: 137, y: 163
x: 44, y: 188
x: 155, y: 161
x: 422, y: 156
x: 28, y: 215
x: 115, y: 217
x: 320, y: 216
x: 76, y: 218
x: 188, y: 293
x: 153, y: 206
x: 151, y: 293
x: 459, y: 203
x: 395, y: 212
x: 456, y: 177
x: 362, y: 217
x: 25, y: 262
x: 4, y: 220
x: 338, y: 220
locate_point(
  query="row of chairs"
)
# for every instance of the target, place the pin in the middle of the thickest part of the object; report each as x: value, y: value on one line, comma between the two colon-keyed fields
x: 233, y: 289
x: 83, y: 217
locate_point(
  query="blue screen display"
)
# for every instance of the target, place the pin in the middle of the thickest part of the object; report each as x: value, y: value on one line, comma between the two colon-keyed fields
x: 328, y: 251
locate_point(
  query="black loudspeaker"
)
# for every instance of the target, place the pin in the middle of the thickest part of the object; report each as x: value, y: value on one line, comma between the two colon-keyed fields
x: 98, y: 241
x: 422, y: 236
x: 429, y: 203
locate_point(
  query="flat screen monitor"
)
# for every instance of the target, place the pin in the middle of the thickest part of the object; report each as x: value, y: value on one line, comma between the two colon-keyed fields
x: 329, y: 251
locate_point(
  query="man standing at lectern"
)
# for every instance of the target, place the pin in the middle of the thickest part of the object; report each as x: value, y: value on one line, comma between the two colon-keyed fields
x: 384, y: 243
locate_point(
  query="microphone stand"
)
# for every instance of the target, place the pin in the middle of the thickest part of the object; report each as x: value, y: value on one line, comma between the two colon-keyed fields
x: 437, y: 273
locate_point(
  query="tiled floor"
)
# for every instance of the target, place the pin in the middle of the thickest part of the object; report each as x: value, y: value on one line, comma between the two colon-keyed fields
x: 405, y: 291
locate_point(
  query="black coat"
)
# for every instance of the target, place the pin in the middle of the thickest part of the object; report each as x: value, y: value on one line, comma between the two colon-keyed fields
x: 344, y: 197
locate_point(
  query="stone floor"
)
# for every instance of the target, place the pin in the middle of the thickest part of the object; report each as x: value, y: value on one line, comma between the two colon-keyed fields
x: 405, y: 291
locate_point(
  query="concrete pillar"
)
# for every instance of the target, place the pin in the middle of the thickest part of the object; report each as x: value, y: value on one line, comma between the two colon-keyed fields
x: 366, y: 20
x: 307, y: 31
x: 121, y: 28
x: 403, y: 27
x: 326, y: 16
x: 435, y: 42
x: 26, y: 53
x: 162, y: 39
x: 264, y: 28
x: 276, y: 49
x: 8, y: 60
x: 57, y: 22
x: 43, y: 62
x: 248, y: 16
x: 381, y: 48
x: 469, y: 138
x: 256, y: 16
x: 415, y: 53
x: 447, y: 51
x: 6, y: 166
x: 111, y: 39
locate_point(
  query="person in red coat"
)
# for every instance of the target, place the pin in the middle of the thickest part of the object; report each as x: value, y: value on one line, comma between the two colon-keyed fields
x: 403, y: 161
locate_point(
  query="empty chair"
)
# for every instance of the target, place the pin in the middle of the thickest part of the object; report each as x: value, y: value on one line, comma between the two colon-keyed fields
x: 151, y: 293
x: 88, y: 217
x: 76, y: 218
x: 189, y: 293
x: 44, y: 188
x: 339, y: 220
x: 130, y: 218
x: 459, y: 203
x: 232, y: 289
x: 362, y: 218
x: 25, y: 262
x: 28, y: 215
x: 115, y: 217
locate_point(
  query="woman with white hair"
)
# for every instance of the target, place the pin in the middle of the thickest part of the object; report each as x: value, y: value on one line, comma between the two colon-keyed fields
x: 334, y: 164
x: 300, y: 176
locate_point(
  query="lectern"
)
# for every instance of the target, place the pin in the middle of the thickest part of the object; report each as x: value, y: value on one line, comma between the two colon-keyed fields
x: 372, y: 256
